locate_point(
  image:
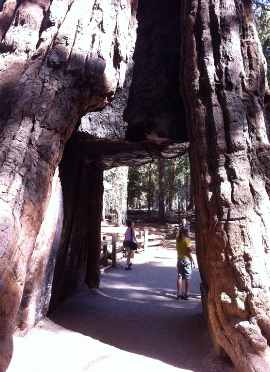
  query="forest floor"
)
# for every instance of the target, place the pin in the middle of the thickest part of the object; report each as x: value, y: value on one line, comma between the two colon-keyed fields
x: 133, y: 322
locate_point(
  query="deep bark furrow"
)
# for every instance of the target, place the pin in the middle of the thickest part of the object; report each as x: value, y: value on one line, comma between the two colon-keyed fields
x: 46, y: 86
x: 36, y: 295
x: 226, y: 221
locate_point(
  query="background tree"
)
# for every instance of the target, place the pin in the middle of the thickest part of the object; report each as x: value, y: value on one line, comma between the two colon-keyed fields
x: 262, y: 17
x: 150, y: 186
x: 183, y: 182
x: 161, y: 189
x: 144, y: 185
x: 115, y: 194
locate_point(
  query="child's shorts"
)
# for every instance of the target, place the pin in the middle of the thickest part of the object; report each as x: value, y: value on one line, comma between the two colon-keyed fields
x: 184, y: 269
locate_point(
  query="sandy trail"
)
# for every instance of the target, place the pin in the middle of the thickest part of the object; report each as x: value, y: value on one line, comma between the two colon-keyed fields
x: 132, y: 323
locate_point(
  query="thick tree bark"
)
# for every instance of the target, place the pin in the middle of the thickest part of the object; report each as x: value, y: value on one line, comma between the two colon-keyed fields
x: 37, y: 289
x: 77, y: 258
x: 155, y: 108
x: 94, y: 197
x: 58, y: 60
x: 224, y: 87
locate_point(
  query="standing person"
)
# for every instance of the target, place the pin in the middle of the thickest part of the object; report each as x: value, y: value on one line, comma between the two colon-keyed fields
x: 130, y: 243
x: 184, y: 263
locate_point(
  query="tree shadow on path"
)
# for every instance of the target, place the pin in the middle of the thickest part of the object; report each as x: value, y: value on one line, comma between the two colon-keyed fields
x: 137, y: 311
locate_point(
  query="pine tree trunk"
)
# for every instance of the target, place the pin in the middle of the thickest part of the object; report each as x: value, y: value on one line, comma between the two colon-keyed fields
x: 149, y: 190
x: 161, y: 189
x: 224, y: 86
x: 171, y: 185
x: 58, y: 60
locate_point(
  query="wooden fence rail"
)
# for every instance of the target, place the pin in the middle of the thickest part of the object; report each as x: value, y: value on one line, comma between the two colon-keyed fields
x: 112, y: 244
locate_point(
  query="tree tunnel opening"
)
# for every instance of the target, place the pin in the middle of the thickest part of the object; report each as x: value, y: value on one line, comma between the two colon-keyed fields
x: 120, y: 294
x: 145, y: 119
x: 81, y: 174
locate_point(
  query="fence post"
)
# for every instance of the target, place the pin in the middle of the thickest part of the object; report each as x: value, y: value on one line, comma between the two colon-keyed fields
x: 145, y: 244
x: 113, y: 250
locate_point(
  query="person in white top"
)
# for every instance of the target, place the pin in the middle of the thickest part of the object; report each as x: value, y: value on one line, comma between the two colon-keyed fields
x: 130, y: 243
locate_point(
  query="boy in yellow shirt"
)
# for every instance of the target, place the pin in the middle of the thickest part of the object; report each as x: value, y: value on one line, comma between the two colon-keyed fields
x: 184, y: 263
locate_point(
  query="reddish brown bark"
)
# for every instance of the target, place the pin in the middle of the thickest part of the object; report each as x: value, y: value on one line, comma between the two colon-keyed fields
x: 77, y: 261
x: 56, y: 63
x: 37, y: 289
x: 93, y: 212
x: 224, y: 88
x: 155, y: 106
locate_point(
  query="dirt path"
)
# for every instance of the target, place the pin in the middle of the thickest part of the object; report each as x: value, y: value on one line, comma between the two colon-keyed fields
x: 132, y: 323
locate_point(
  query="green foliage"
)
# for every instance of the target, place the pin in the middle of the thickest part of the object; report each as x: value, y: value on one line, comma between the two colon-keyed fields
x: 262, y: 17
x: 182, y: 181
x: 115, y: 193
x: 143, y: 186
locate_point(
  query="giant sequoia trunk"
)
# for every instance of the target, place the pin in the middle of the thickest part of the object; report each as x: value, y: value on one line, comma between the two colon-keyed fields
x: 224, y: 91
x: 77, y: 259
x: 58, y: 60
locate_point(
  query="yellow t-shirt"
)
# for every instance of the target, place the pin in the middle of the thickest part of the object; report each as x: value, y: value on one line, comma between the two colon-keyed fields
x: 183, y: 248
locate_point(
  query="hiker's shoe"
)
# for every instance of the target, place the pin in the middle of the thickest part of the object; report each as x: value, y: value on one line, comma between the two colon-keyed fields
x: 185, y: 297
x: 128, y: 268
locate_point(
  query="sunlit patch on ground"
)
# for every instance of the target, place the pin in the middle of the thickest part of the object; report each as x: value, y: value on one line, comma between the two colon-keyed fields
x: 133, y: 322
